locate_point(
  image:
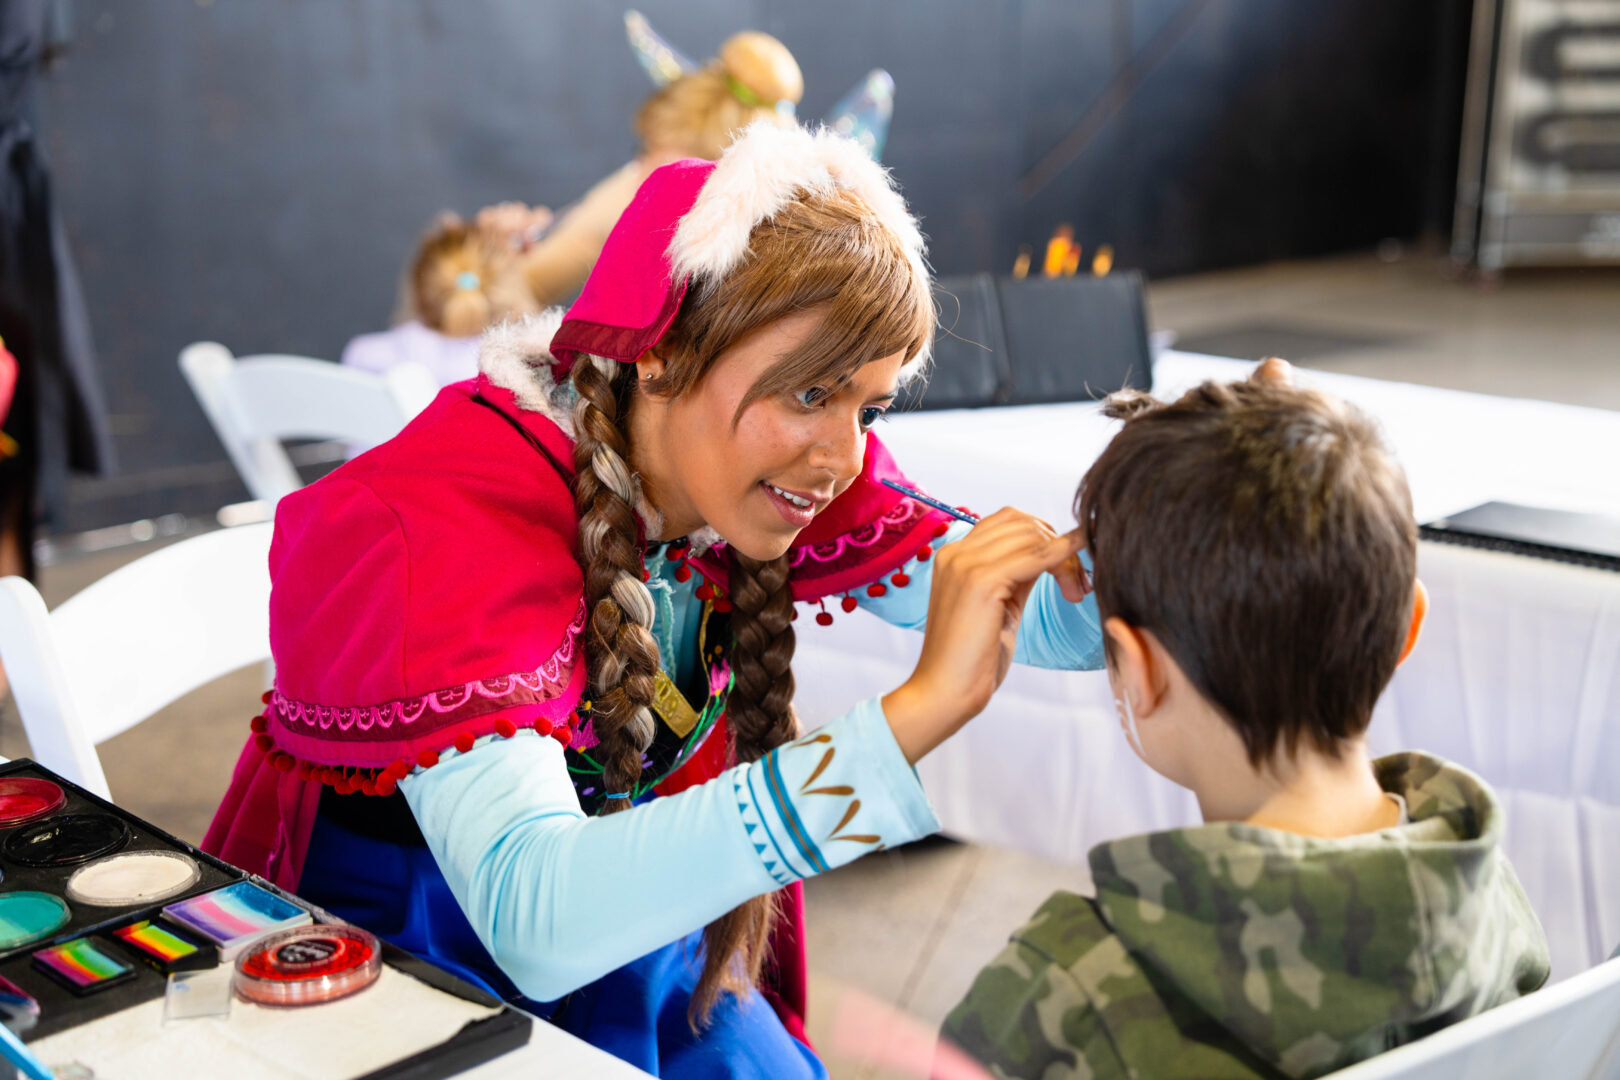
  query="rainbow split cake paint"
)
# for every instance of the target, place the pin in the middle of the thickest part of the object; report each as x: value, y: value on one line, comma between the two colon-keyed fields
x: 82, y: 966
x: 165, y: 949
x: 235, y: 916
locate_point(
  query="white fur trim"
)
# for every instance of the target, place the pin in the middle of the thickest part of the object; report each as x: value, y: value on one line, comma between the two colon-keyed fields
x: 763, y: 170
x: 516, y: 356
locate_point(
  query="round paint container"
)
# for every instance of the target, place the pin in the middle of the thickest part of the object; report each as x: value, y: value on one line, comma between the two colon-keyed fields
x: 29, y: 916
x: 66, y: 840
x: 308, y: 965
x: 24, y: 798
x: 133, y: 877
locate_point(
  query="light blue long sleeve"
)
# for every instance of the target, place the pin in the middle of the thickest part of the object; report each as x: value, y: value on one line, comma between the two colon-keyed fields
x: 529, y: 869
x: 1053, y: 632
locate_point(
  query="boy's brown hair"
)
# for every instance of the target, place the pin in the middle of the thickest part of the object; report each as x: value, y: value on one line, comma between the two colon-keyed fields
x: 1264, y: 535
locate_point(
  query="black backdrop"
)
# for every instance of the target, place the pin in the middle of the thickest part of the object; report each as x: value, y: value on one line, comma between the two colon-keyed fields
x: 256, y: 172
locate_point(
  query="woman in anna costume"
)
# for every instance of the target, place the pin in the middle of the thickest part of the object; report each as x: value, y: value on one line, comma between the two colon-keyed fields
x: 532, y: 715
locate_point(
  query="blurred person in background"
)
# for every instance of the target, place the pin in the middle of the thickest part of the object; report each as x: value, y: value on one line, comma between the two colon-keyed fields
x: 58, y: 420
x: 695, y: 115
x: 460, y: 282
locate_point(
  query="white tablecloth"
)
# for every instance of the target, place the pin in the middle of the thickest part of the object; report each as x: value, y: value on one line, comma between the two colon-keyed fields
x: 1515, y: 676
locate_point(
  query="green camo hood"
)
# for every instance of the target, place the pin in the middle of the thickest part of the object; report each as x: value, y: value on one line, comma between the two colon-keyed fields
x: 1314, y: 953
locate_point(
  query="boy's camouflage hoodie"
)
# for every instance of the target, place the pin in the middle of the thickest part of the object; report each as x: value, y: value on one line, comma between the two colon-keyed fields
x: 1228, y: 950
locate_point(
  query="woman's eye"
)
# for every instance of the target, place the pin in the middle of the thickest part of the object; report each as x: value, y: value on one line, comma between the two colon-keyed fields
x: 871, y: 415
x: 812, y: 397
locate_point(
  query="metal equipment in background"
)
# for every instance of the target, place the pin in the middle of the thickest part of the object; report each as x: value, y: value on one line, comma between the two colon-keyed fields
x: 1539, y: 173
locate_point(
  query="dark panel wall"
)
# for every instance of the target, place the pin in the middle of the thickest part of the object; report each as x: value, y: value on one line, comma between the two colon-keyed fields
x: 257, y: 172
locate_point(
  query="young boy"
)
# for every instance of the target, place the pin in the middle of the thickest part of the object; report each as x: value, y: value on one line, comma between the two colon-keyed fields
x: 1254, y: 556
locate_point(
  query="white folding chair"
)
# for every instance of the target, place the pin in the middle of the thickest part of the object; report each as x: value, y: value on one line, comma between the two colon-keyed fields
x: 132, y: 642
x: 1570, y: 1030
x: 254, y: 402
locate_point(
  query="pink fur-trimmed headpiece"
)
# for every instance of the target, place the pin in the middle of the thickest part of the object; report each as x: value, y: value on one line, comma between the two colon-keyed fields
x: 689, y: 225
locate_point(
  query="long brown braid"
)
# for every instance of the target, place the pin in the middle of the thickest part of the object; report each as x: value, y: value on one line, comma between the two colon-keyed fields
x: 824, y: 252
x: 622, y: 652
x: 760, y: 714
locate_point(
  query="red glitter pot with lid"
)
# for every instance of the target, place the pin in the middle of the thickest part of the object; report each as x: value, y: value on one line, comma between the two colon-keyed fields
x: 308, y: 965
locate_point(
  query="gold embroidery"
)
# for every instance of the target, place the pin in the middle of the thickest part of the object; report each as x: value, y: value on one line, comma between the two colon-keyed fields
x: 672, y: 707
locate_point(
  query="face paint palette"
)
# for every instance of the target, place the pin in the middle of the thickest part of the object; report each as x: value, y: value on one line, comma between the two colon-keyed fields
x: 76, y: 870
x: 308, y: 965
x: 236, y: 916
x: 100, y: 910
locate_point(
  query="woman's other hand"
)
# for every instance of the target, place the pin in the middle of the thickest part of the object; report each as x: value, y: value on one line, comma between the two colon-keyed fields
x: 514, y: 223
x: 980, y: 585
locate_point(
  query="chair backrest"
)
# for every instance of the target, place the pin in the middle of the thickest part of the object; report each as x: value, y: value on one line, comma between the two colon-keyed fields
x: 1002, y: 341
x: 1075, y: 338
x: 254, y: 402
x: 1570, y: 1030
x: 971, y: 367
x: 133, y: 642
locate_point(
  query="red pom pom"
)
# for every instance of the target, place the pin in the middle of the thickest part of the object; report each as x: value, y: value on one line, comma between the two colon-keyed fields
x: 259, y: 724
x: 464, y: 741
x: 543, y: 726
x: 683, y: 572
x: 397, y: 769
x: 368, y: 786
x: 386, y: 785
x: 305, y: 770
x: 427, y: 758
x: 504, y: 728
x: 849, y: 603
x: 674, y: 554
x: 645, y: 574
x: 924, y: 553
x: 264, y: 742
x: 876, y: 590
x: 722, y: 605
x: 563, y: 735
x: 824, y: 618
x: 283, y: 762
x: 941, y: 529
x: 900, y: 581
x: 343, y: 787
x: 795, y: 616
x: 265, y: 697
x: 705, y: 591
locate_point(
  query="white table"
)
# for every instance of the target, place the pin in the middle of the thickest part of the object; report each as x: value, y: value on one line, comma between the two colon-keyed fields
x: 552, y: 1052
x: 1515, y: 676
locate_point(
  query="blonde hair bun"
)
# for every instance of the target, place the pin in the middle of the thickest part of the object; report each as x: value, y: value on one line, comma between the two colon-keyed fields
x: 764, y: 66
x: 462, y: 281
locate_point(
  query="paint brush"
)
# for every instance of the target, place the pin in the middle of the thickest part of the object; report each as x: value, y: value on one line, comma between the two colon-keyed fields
x: 13, y: 1050
x: 911, y: 493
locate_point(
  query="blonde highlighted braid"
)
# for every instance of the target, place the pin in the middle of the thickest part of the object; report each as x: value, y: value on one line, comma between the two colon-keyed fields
x: 622, y: 652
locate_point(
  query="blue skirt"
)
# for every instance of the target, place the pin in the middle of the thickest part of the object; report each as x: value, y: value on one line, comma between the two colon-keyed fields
x: 637, y: 1013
